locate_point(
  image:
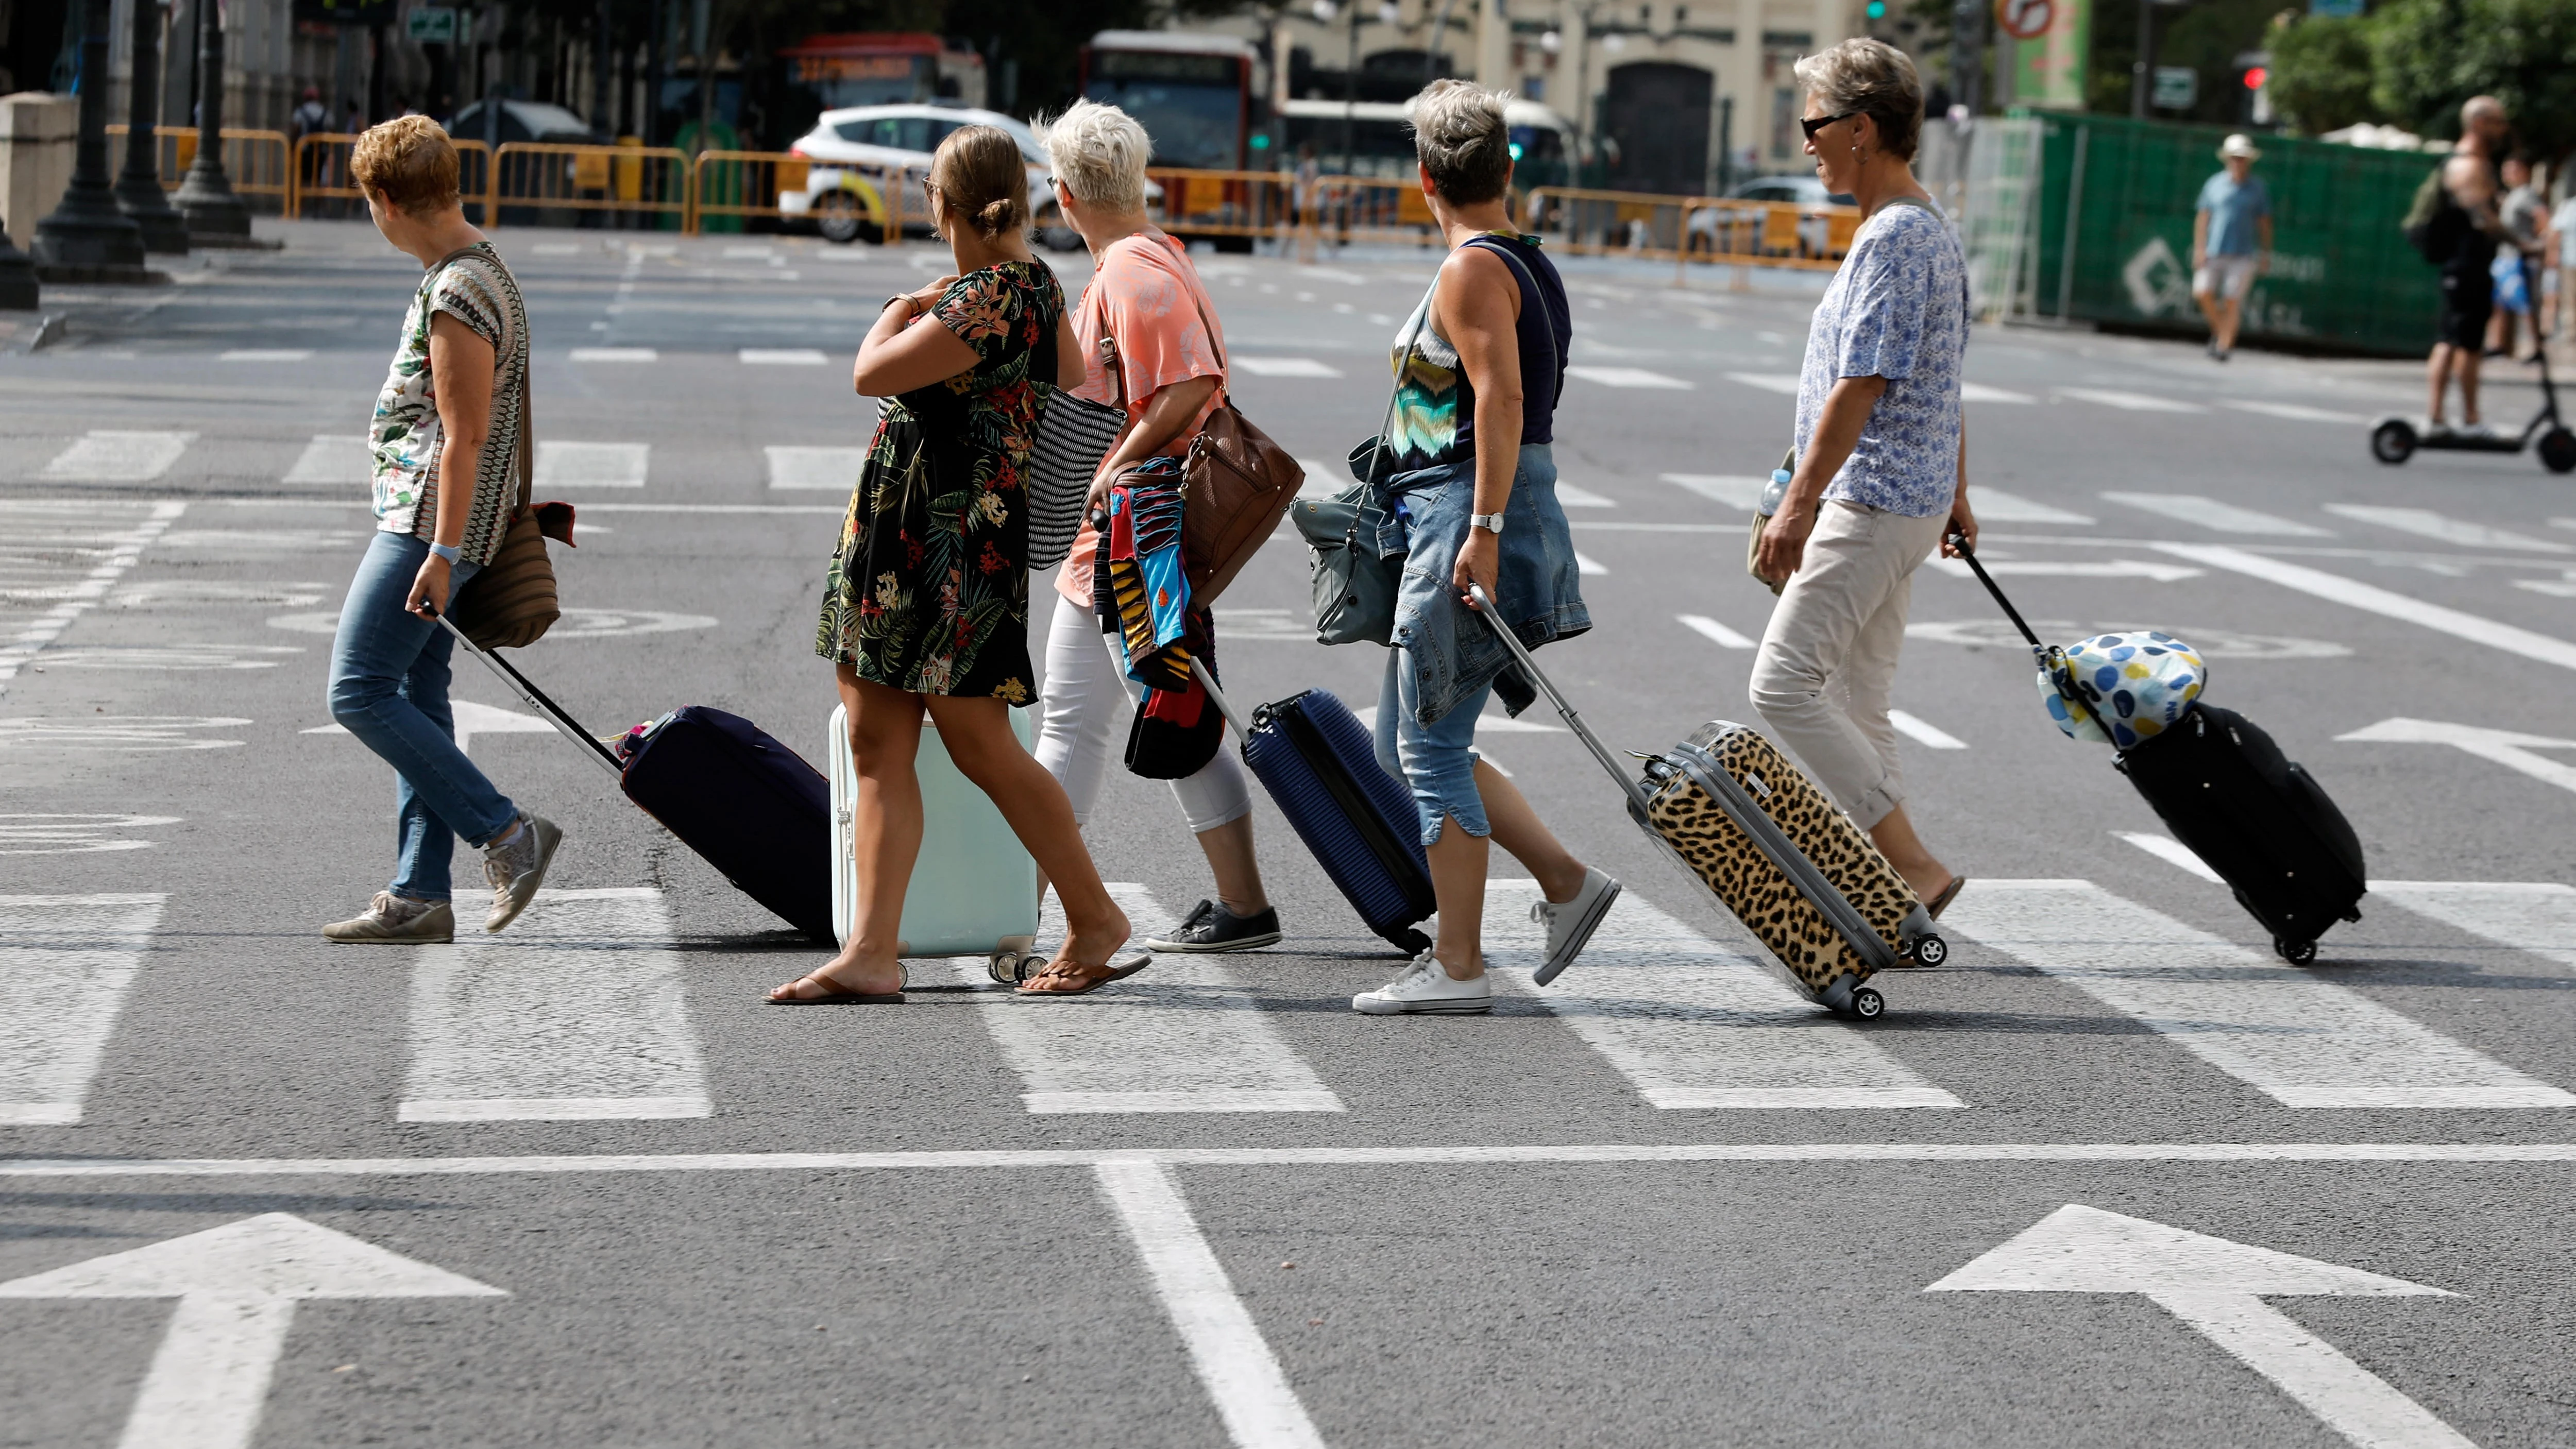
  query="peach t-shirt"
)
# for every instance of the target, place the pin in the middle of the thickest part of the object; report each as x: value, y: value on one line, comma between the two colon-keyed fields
x: 1148, y: 296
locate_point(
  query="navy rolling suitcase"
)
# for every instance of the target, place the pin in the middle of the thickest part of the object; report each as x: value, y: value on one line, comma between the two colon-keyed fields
x: 1318, y: 763
x: 748, y: 804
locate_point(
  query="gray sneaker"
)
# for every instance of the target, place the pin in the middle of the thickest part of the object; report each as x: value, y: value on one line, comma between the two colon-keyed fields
x: 518, y: 868
x: 1570, y: 924
x: 392, y: 920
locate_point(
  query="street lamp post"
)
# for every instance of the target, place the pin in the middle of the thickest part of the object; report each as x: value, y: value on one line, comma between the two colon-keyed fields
x: 206, y: 197
x: 138, y: 189
x: 18, y: 289
x: 87, y: 230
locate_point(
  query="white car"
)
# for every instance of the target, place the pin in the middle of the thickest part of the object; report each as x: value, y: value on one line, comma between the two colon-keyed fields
x: 891, y: 145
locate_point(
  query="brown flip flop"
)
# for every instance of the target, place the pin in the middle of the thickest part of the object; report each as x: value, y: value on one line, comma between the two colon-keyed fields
x: 1115, y: 971
x: 1948, y: 894
x: 835, y: 996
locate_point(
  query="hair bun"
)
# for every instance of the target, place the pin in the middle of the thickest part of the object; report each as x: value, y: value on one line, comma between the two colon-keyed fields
x: 995, y: 216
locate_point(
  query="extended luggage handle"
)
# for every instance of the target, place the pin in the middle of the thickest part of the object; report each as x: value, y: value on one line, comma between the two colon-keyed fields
x: 2051, y: 659
x: 536, y: 699
x: 1959, y: 541
x: 1520, y: 652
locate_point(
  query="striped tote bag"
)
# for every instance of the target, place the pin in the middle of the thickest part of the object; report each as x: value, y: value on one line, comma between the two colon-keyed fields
x: 1074, y: 434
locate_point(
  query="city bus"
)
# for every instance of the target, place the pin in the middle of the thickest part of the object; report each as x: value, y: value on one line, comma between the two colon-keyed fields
x: 883, y: 68
x: 1193, y: 93
x: 1380, y: 142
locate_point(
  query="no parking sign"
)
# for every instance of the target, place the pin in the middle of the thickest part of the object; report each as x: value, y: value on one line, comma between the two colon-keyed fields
x: 2025, y: 19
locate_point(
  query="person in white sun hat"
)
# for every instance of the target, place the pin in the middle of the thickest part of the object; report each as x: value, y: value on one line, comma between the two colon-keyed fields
x: 2231, y: 242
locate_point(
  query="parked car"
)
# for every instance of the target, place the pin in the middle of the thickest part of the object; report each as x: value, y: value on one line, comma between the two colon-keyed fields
x: 520, y: 121
x: 1738, y: 230
x: 879, y: 146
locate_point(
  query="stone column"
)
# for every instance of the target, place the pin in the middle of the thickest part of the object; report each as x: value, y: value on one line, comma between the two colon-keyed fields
x: 206, y: 197
x: 87, y: 230
x: 138, y: 189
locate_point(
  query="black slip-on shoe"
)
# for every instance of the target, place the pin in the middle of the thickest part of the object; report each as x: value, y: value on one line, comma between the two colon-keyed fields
x: 1211, y: 927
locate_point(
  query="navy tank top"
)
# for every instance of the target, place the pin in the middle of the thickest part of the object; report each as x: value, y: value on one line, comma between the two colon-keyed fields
x: 1435, y: 413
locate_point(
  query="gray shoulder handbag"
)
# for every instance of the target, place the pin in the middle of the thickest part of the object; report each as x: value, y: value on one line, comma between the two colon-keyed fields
x: 1354, y: 586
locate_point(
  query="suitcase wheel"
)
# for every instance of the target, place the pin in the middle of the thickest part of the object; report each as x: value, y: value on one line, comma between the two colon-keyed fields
x: 1009, y: 964
x: 2297, y: 953
x: 1867, y: 1004
x: 1929, y: 950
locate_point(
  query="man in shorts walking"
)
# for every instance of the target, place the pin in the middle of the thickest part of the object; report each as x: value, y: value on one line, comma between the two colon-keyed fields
x: 2231, y: 242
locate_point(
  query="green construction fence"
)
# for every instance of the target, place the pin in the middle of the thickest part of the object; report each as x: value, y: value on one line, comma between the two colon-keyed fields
x: 2342, y: 276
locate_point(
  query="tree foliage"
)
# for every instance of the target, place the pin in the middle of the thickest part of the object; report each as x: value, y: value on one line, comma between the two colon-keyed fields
x: 2412, y: 63
x: 2321, y: 73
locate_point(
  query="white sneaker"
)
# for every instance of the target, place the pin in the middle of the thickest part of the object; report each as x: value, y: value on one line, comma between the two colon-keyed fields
x: 1570, y: 924
x: 1425, y: 986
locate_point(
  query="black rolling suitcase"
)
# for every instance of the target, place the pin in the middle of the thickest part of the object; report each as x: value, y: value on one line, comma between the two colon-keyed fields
x: 1318, y: 763
x: 748, y: 804
x: 2250, y: 813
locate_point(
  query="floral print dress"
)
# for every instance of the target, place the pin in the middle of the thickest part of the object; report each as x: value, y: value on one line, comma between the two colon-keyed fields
x: 928, y: 591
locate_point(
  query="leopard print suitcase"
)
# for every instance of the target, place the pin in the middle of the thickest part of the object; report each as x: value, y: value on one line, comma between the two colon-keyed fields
x: 1799, y: 928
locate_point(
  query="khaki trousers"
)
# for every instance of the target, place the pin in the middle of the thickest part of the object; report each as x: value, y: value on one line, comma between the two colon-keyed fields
x: 1828, y: 657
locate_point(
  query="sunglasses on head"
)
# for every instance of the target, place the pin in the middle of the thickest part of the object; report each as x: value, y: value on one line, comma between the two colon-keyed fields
x: 1821, y: 122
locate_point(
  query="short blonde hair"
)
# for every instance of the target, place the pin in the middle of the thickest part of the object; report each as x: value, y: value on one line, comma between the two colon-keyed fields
x: 1460, y: 137
x: 1099, y: 153
x: 1872, y: 78
x: 407, y: 162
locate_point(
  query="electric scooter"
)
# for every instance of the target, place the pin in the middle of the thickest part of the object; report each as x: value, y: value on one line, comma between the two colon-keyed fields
x: 2394, y: 440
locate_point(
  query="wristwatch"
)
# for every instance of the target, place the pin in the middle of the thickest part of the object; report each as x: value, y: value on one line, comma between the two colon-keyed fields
x: 1490, y: 522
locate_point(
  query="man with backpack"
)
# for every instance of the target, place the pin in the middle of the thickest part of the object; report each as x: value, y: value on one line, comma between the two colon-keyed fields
x: 2455, y: 226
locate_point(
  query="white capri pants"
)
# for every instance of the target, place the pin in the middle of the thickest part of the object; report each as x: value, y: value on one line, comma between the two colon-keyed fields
x: 1090, y: 705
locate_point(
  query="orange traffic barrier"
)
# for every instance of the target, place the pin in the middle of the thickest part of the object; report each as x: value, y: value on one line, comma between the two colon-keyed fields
x: 320, y: 174
x: 1688, y: 229
x: 646, y: 182
x: 845, y: 201
x: 257, y: 162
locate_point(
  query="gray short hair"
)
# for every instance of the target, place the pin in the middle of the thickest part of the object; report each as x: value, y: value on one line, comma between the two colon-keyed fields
x: 1099, y: 153
x: 1875, y: 79
x: 1459, y: 134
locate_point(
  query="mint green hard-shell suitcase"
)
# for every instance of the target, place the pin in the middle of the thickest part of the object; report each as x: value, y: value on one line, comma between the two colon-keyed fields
x: 974, y: 890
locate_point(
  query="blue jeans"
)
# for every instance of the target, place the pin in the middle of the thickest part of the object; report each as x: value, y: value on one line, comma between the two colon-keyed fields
x: 389, y: 688
x: 1437, y: 760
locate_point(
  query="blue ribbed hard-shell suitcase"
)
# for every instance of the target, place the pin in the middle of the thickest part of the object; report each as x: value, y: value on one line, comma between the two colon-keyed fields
x: 1318, y: 763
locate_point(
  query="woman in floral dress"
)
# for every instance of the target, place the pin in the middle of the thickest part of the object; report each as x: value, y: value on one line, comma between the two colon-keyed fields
x: 926, y: 605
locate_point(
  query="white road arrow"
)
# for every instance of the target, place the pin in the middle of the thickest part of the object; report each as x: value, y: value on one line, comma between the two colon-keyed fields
x: 2218, y: 1287
x: 2504, y: 747
x: 237, y: 1287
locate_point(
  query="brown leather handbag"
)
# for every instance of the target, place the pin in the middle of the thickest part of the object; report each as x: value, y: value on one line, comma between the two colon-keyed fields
x: 1236, y: 484
x: 511, y: 603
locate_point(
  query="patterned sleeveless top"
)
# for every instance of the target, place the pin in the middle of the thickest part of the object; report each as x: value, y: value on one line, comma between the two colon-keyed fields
x: 1435, y: 405
x: 405, y: 437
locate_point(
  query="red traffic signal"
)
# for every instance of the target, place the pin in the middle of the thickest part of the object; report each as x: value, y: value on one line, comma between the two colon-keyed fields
x: 2254, y: 78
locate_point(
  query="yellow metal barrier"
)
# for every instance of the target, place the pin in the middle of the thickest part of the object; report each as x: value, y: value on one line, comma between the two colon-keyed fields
x: 1687, y: 229
x: 1243, y: 204
x: 647, y: 182
x: 321, y: 174
x: 255, y: 161
x: 1372, y: 209
x: 844, y: 201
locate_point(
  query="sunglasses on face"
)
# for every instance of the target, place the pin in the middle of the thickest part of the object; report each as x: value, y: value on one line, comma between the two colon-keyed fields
x: 1811, y: 127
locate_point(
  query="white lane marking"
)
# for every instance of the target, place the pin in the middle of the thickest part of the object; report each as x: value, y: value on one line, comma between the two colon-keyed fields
x: 65, y: 965
x: 2534, y: 916
x: 1713, y: 631
x: 1980, y: 392
x: 2213, y: 1285
x: 2293, y: 412
x: 1783, y: 383
x: 2503, y: 747
x: 2135, y: 402
x: 115, y: 456
x: 237, y: 1287
x: 2300, y: 1040
x: 1330, y: 274
x: 1323, y: 479
x: 130, y: 732
x: 2212, y: 514
x: 331, y: 458
x: 2443, y: 527
x: 1285, y: 367
x: 267, y: 354
x: 1185, y: 1036
x: 1570, y: 496
x: 577, y: 1014
x: 569, y: 623
x: 555, y: 249
x: 1234, y: 1364
x: 1993, y: 505
x: 1588, y: 566
x: 783, y: 356
x: 83, y: 594
x: 1924, y: 732
x: 2439, y: 1154
x: 1627, y: 377
x: 816, y: 468
x: 471, y: 719
x: 592, y: 465
x: 615, y: 354
x: 2109, y: 568
x: 752, y: 254
x: 2558, y: 588
x: 750, y: 508
x: 1487, y: 723
x: 2373, y: 599
x: 56, y: 834
x: 171, y: 656
x: 1735, y: 490
x: 2173, y: 853
x: 2210, y: 641
x: 1691, y: 1024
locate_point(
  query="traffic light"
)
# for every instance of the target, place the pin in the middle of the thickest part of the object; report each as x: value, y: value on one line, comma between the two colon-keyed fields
x: 1877, y: 9
x: 2254, y: 78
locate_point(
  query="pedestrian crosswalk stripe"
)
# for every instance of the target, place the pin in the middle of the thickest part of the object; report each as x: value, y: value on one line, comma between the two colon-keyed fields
x: 820, y: 468
x: 1717, y: 633
x: 267, y: 354
x: 1185, y: 1036
x: 1285, y: 367
x: 1734, y: 490
x: 592, y: 465
x: 2373, y: 599
x: 2443, y: 527
x: 109, y: 455
x: 1924, y: 732
x: 2135, y: 402
x: 2534, y: 916
x: 65, y: 965
x: 2211, y: 514
x: 1980, y: 392
x: 1691, y: 1024
x: 1783, y: 383
x: 2172, y: 852
x: 2301, y: 1040
x: 1588, y: 566
x: 784, y: 356
x: 1323, y: 478
x: 331, y: 458
x: 615, y: 354
x: 78, y: 590
x: 2109, y: 568
x: 1627, y: 377
x: 1570, y: 496
x: 2294, y: 412
x: 576, y: 1013
x: 1993, y: 505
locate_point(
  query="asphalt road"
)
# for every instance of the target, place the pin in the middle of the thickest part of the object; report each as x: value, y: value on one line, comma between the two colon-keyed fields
x: 1661, y: 1202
